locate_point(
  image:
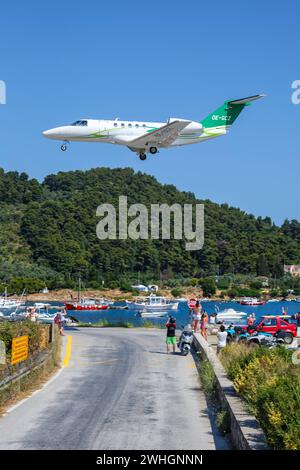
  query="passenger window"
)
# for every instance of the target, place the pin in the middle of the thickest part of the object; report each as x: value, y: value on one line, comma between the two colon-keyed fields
x: 116, y: 124
x: 144, y: 125
x: 137, y: 125
x: 122, y: 125
x: 130, y: 125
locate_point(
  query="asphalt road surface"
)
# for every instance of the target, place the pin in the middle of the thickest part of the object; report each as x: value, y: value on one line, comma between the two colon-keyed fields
x: 117, y: 390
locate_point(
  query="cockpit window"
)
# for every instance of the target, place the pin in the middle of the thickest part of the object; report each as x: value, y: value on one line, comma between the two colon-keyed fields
x: 80, y: 123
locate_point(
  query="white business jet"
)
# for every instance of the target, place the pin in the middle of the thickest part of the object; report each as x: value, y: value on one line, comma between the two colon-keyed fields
x: 143, y: 137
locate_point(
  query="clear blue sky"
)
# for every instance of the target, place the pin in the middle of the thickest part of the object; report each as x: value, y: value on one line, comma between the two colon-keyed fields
x: 64, y: 60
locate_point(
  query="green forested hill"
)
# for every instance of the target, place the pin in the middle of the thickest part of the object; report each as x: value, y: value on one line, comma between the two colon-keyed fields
x: 48, y: 231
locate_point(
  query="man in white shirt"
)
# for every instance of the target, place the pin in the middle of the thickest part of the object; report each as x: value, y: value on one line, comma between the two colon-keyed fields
x: 222, y: 338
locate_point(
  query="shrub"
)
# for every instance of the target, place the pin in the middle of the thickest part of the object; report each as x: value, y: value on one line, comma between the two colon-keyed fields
x: 223, y: 422
x: 208, y: 286
x: 270, y: 383
x: 176, y: 292
x: 232, y: 293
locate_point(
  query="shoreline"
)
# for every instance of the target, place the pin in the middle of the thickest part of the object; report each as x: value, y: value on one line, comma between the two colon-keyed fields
x: 63, y: 295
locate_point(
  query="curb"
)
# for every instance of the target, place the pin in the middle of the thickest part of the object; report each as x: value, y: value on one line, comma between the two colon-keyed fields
x: 246, y: 433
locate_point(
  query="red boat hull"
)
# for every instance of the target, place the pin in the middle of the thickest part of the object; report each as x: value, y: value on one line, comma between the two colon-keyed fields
x: 85, y: 307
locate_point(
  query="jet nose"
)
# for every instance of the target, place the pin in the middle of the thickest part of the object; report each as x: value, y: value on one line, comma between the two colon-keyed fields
x: 46, y: 133
x: 55, y: 133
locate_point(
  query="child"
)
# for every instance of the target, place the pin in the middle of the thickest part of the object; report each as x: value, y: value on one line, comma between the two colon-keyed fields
x: 171, y: 334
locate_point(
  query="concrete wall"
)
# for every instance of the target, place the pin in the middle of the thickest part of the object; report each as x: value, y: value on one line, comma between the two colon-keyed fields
x: 246, y: 433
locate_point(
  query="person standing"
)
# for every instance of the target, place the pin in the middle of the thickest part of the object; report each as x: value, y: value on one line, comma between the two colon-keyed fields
x: 171, y: 334
x: 196, y: 315
x: 298, y: 324
x: 222, y: 339
x: 204, y: 325
x: 58, y: 320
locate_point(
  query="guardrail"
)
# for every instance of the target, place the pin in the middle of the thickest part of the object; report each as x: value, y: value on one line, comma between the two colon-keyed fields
x: 31, y: 370
x: 246, y: 433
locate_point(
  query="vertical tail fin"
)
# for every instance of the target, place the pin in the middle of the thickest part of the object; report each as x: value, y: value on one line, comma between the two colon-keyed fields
x: 226, y: 114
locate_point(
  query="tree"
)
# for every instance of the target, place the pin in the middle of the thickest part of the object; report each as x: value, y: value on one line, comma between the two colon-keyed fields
x: 262, y: 268
x: 208, y: 286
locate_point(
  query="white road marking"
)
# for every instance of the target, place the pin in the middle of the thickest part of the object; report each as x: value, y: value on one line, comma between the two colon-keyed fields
x: 34, y: 393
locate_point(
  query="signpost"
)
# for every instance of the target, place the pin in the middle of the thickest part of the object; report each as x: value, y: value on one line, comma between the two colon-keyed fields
x: 2, y: 353
x: 19, y: 350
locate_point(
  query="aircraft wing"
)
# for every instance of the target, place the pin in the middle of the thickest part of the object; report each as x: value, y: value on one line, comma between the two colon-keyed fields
x: 163, y: 136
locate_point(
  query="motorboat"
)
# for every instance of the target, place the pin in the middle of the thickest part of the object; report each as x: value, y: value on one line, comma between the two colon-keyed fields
x: 145, y: 314
x: 152, y: 303
x: 252, y: 301
x: 230, y: 315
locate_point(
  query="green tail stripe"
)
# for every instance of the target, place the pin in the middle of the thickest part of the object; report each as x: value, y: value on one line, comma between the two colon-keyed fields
x: 224, y: 115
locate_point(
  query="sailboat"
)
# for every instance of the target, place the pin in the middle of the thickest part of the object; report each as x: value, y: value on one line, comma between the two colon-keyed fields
x: 89, y: 304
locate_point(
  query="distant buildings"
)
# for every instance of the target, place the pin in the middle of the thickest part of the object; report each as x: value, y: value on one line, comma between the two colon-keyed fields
x: 142, y: 288
x: 292, y: 269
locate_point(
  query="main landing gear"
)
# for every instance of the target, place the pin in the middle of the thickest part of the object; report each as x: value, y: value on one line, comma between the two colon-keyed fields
x: 143, y: 154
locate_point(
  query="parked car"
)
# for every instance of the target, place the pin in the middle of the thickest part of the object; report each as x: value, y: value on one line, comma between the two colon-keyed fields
x: 278, y: 326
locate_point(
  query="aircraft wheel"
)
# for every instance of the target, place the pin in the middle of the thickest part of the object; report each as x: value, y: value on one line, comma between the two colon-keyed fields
x: 153, y: 150
x: 143, y: 156
x: 63, y: 147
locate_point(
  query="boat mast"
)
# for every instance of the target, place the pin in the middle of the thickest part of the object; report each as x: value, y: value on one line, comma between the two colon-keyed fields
x: 79, y: 289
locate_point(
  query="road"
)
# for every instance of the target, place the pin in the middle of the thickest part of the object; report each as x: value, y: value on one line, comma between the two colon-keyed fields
x: 117, y: 390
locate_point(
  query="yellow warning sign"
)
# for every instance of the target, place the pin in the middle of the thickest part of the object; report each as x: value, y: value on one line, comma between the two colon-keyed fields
x: 19, y: 350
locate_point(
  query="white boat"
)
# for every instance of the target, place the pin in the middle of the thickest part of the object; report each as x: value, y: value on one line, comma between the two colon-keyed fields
x: 273, y: 300
x: 9, y: 304
x: 230, y: 315
x: 152, y: 303
x: 145, y: 314
x: 252, y: 301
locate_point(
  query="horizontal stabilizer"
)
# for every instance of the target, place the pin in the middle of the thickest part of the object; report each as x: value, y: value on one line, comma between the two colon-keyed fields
x: 246, y: 100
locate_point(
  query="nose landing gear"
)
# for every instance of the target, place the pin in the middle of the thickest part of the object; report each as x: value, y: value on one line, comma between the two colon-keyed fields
x: 64, y: 146
x: 142, y: 156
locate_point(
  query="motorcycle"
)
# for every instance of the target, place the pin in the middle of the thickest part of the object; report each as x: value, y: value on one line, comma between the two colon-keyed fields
x: 185, y: 340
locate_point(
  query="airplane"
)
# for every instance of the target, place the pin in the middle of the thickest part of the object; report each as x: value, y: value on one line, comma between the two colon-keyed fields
x: 143, y: 137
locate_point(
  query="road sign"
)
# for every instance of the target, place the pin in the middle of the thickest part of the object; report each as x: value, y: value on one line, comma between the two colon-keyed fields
x: 19, y: 351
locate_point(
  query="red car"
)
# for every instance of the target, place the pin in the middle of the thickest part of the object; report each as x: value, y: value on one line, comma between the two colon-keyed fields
x: 276, y: 325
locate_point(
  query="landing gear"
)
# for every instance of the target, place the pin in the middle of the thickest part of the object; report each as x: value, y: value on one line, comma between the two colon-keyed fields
x: 63, y: 147
x: 142, y: 156
x: 153, y: 150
